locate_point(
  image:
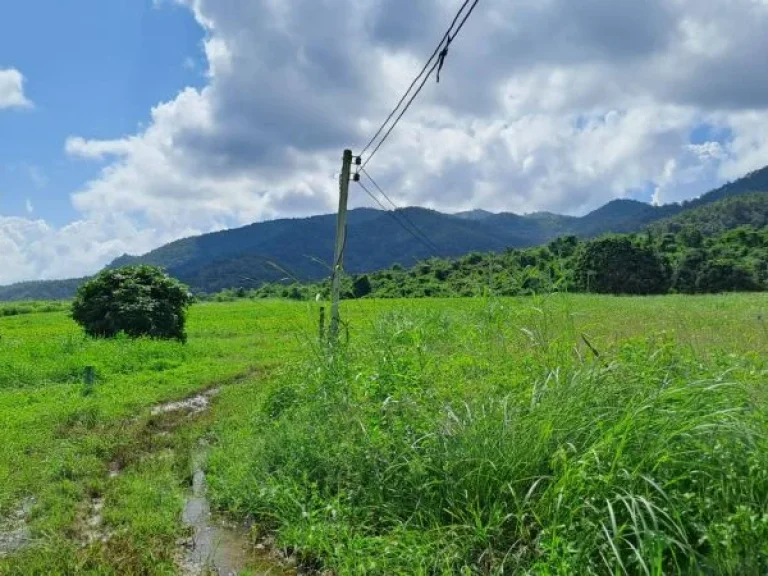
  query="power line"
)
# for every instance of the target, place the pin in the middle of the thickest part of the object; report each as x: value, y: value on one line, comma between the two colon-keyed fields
x: 396, y: 217
x: 446, y: 36
x: 447, y: 39
x: 403, y: 214
x: 425, y: 241
x: 466, y: 17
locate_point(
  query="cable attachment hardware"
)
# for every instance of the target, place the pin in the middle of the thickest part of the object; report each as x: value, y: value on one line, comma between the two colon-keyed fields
x: 441, y: 57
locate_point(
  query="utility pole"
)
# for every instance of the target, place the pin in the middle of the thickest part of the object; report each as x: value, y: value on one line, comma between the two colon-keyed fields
x: 341, y: 240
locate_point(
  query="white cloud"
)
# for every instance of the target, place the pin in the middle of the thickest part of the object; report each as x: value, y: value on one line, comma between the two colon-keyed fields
x: 29, y: 206
x: 542, y: 105
x: 12, y: 89
x: 97, y: 149
x: 33, y: 249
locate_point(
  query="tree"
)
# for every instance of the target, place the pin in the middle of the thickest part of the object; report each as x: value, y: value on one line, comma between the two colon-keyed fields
x: 361, y: 286
x: 690, y: 237
x: 725, y: 276
x: 616, y: 265
x: 564, y: 246
x: 136, y: 300
x: 686, y: 275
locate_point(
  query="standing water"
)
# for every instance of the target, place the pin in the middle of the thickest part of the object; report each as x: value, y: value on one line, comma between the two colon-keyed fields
x: 14, y: 533
x: 216, y: 547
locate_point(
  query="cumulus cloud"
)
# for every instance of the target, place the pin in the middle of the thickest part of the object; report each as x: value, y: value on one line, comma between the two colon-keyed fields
x: 12, y: 89
x: 542, y: 105
x: 33, y: 249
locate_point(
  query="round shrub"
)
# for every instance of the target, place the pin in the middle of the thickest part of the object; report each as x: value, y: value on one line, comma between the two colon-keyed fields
x: 137, y: 300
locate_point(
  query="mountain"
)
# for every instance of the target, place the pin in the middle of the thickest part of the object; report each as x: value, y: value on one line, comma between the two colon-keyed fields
x: 756, y: 181
x: 477, y: 214
x: 302, y: 249
x: 40, y: 290
x: 622, y: 216
x: 721, y: 216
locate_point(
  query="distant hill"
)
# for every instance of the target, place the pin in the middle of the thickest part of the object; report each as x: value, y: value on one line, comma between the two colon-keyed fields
x: 477, y: 214
x: 41, y: 290
x: 718, y: 217
x: 303, y: 248
x: 756, y: 181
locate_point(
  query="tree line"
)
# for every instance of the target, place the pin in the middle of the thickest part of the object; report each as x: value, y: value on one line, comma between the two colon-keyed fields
x: 652, y: 262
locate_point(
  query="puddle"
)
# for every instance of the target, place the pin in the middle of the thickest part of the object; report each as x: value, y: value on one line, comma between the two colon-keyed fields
x: 217, y: 547
x: 96, y: 507
x: 14, y: 532
x: 193, y: 405
x: 94, y: 529
x: 114, y: 469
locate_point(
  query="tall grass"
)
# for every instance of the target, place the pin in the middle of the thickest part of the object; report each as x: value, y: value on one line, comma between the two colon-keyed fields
x: 496, y: 439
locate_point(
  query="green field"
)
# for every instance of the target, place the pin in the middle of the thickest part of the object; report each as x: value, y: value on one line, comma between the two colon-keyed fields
x: 547, y: 435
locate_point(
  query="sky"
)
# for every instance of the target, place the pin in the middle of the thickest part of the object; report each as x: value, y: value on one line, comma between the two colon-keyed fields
x: 125, y: 124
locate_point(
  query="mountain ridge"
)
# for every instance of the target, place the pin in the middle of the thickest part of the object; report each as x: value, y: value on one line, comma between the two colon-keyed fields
x: 302, y: 248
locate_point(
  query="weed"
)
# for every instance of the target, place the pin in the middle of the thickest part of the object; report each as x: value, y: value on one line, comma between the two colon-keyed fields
x: 476, y: 441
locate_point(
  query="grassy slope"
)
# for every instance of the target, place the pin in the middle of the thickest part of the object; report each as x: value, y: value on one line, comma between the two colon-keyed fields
x: 316, y: 451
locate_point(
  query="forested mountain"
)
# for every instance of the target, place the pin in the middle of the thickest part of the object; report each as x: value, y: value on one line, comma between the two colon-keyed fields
x: 641, y: 263
x: 726, y: 214
x: 756, y: 181
x: 302, y: 249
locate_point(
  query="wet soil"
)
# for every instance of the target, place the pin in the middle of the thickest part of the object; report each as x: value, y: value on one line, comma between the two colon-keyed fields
x: 219, y: 547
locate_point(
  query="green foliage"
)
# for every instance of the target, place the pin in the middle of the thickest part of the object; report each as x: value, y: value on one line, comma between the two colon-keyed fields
x: 616, y: 265
x: 484, y: 437
x: 20, y: 308
x: 708, y: 219
x: 361, y: 286
x: 722, y: 276
x: 660, y: 259
x: 136, y: 300
x: 736, y: 260
x: 685, y: 279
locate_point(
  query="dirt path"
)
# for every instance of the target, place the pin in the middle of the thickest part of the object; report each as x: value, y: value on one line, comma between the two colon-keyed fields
x: 218, y: 546
x: 215, y: 545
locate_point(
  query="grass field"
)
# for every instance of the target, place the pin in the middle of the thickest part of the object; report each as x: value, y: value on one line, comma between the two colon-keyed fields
x: 551, y: 435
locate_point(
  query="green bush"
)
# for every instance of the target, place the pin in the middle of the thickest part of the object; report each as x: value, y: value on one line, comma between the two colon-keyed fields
x: 723, y: 276
x: 361, y: 286
x: 616, y: 265
x: 136, y: 300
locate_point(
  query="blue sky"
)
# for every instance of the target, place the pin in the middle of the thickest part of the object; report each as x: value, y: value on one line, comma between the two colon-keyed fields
x: 125, y: 124
x: 92, y: 67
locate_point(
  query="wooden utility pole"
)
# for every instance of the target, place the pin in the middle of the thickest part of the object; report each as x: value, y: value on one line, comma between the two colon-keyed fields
x: 341, y: 240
